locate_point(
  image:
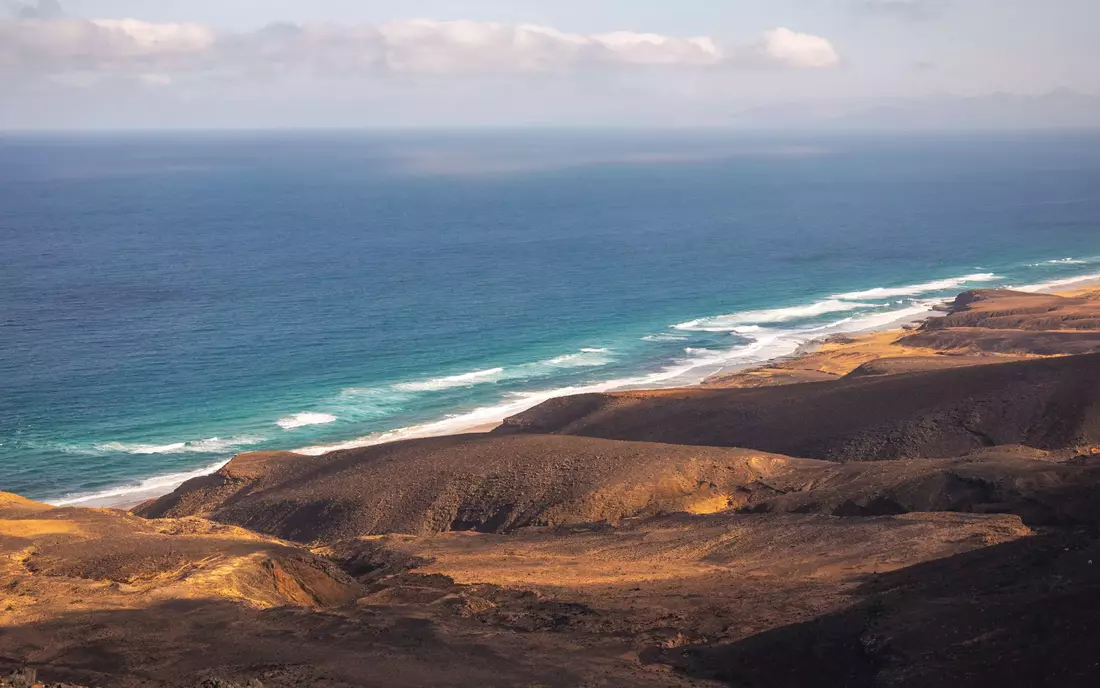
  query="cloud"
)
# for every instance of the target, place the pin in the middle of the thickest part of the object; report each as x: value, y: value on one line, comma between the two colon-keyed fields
x: 60, y: 45
x: 68, y: 45
x: 801, y: 50
x: 453, y: 47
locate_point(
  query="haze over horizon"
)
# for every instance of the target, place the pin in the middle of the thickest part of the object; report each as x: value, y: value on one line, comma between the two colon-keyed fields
x: 123, y: 64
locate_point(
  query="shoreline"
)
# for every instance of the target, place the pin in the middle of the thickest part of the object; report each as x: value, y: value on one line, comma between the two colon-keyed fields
x: 829, y: 355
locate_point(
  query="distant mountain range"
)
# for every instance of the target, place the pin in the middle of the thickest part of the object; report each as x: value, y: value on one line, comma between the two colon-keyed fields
x: 1063, y: 108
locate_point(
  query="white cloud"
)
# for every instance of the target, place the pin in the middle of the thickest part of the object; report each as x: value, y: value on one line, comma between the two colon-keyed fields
x: 799, y: 49
x: 144, y: 38
x: 465, y: 46
x: 410, y: 46
x: 64, y: 45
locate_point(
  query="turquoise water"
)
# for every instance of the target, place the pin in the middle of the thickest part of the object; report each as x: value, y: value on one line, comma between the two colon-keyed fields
x: 169, y: 300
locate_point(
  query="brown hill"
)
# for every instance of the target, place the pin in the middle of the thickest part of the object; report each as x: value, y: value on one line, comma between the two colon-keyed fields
x: 1010, y: 322
x: 1045, y: 404
x: 1003, y: 309
x: 103, y: 551
x: 473, y: 482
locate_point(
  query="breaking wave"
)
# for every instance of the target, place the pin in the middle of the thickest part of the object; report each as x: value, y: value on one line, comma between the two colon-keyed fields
x: 212, y: 445
x: 1054, y: 284
x: 144, y: 489
x: 464, y: 380
x: 734, y: 321
x: 918, y: 289
x: 301, y: 420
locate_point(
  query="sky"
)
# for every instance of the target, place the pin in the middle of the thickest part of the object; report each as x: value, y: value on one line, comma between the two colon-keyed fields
x: 92, y: 64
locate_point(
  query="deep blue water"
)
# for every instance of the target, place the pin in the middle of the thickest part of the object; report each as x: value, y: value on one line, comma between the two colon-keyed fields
x: 167, y: 300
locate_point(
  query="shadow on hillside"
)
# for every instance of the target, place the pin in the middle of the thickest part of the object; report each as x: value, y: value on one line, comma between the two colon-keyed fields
x: 1024, y: 613
x: 183, y: 642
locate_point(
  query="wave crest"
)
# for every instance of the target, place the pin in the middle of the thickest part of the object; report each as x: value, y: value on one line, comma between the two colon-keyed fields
x: 1054, y: 284
x: 144, y: 489
x: 463, y: 380
x: 212, y: 445
x: 735, y: 321
x: 301, y: 420
x: 918, y: 289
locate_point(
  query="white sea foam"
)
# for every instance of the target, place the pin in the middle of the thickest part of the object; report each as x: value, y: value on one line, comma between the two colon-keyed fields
x: 665, y: 337
x: 878, y: 321
x: 735, y: 321
x: 124, y: 448
x: 1055, y: 284
x: 744, y: 322
x: 216, y: 444
x: 585, y: 358
x: 145, y: 489
x: 210, y: 445
x: 1064, y: 261
x: 301, y: 420
x: 452, y: 381
x: 917, y: 289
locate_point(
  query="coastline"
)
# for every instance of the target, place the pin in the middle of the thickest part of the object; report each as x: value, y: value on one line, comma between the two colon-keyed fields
x: 827, y: 357
x: 831, y: 358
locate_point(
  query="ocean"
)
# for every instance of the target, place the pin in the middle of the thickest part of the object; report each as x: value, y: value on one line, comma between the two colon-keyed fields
x: 168, y: 300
